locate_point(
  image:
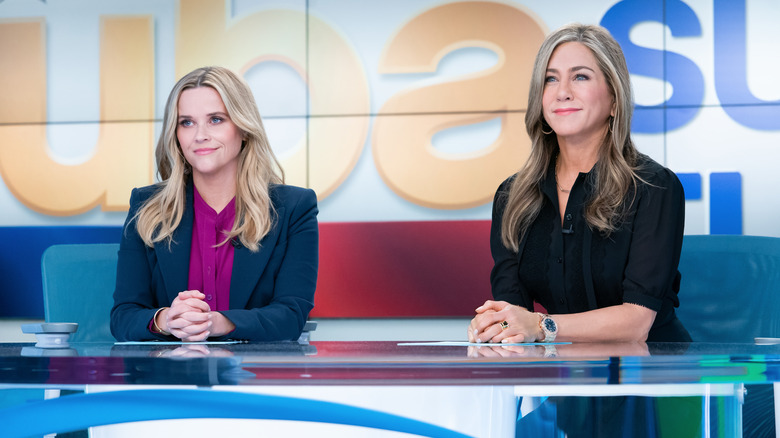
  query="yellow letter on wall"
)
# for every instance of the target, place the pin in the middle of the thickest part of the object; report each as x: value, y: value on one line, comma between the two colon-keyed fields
x: 122, y: 158
x: 336, y: 80
x: 403, y: 151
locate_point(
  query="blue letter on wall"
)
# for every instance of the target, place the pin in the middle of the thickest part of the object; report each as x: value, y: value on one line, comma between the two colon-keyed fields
x: 731, y: 69
x: 725, y: 199
x: 684, y: 76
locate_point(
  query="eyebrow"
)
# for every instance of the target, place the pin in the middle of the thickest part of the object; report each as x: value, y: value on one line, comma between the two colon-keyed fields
x: 573, y: 69
x: 216, y: 113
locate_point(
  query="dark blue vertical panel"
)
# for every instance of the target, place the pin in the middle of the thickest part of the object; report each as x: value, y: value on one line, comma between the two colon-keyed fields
x: 21, y: 292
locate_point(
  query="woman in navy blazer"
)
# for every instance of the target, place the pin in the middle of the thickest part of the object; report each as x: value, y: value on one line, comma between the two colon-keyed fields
x: 221, y: 181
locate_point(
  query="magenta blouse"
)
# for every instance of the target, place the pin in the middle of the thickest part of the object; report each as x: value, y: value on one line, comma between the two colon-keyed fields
x: 211, y: 266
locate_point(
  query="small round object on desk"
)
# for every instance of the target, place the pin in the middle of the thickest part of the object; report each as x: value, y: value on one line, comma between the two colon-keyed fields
x: 51, y: 334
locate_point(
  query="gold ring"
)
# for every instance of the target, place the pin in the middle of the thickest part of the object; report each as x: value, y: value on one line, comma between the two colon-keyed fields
x: 504, y: 325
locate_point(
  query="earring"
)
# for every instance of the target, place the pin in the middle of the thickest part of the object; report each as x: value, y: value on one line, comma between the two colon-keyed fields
x: 545, y: 132
x: 611, y: 122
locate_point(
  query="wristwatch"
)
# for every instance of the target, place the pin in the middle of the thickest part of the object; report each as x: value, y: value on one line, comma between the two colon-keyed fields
x: 548, y: 326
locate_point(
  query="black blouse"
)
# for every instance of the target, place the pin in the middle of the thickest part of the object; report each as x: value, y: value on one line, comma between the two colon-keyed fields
x: 570, y: 268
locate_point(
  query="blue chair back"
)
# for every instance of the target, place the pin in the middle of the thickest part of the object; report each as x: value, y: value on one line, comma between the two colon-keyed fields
x: 730, y: 290
x: 78, y: 286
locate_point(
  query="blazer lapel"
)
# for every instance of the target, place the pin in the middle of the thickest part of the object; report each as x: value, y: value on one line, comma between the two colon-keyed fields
x: 248, y: 266
x: 175, y: 263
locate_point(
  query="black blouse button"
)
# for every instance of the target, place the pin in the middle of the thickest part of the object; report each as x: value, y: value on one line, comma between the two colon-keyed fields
x: 568, y: 217
x: 560, y: 260
x: 562, y: 301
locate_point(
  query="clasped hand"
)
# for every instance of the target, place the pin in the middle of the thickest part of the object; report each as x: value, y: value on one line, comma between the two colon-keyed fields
x: 189, y: 317
x: 522, y: 325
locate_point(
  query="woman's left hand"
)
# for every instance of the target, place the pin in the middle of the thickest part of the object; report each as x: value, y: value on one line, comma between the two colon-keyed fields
x: 520, y: 324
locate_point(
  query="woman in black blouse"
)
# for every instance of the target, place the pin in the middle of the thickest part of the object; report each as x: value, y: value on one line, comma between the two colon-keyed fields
x: 589, y: 227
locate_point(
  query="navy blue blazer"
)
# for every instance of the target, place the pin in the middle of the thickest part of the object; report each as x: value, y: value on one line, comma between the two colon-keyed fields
x: 271, y: 290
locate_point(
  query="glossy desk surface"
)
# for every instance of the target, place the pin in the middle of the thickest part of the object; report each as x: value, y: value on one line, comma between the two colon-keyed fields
x: 388, y: 363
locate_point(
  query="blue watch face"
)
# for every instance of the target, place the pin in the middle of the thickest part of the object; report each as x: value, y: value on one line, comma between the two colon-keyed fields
x: 549, y: 325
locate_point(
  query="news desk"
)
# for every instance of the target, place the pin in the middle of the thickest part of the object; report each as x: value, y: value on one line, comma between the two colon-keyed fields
x: 349, y: 389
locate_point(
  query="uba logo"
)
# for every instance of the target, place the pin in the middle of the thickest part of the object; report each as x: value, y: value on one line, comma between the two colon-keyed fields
x: 339, y: 107
x: 338, y: 123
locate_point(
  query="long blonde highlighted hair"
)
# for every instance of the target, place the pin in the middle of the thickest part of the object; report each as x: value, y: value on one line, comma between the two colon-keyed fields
x: 615, y: 171
x: 258, y: 167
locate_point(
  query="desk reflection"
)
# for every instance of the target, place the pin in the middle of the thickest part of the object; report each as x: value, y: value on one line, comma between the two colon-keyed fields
x: 187, y: 350
x: 574, y: 350
x: 191, y: 350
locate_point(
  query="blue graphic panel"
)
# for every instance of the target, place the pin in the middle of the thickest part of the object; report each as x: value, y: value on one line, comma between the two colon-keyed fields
x: 691, y: 183
x: 726, y: 203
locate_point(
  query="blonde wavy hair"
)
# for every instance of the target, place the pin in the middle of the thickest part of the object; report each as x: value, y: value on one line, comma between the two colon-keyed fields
x: 258, y: 167
x: 615, y: 171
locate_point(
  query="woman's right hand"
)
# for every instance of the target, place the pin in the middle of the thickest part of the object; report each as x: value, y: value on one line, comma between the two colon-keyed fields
x: 188, y: 318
